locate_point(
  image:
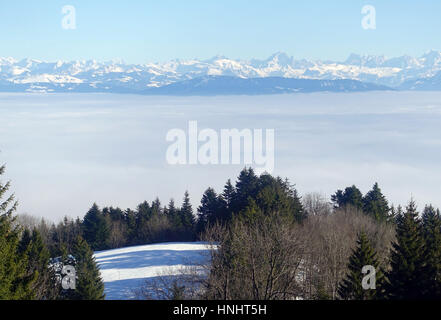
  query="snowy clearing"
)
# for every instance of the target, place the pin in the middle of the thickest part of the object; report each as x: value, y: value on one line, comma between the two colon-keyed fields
x: 125, y: 270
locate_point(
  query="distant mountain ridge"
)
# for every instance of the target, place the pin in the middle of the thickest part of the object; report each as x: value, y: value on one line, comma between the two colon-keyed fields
x: 226, y: 85
x: 374, y: 72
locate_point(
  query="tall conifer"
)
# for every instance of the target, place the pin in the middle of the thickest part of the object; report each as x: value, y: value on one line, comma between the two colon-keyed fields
x: 351, y: 287
x: 89, y: 285
x: 432, y: 239
x: 406, y: 277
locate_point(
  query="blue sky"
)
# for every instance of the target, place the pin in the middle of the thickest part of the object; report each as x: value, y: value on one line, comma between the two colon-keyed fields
x: 138, y: 31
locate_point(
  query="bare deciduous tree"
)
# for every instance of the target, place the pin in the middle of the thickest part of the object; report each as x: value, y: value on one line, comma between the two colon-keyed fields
x: 331, y: 240
x: 316, y: 204
x: 257, y: 260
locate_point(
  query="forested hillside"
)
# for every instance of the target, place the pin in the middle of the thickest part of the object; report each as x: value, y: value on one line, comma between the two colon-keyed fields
x: 271, y: 244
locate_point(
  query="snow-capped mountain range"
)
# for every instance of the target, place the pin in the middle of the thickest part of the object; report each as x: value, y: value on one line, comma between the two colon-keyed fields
x: 375, y: 72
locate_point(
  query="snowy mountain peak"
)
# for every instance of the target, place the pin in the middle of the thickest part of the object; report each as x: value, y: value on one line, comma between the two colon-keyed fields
x: 432, y: 58
x: 281, y: 59
x: 365, y: 60
x: 115, y: 75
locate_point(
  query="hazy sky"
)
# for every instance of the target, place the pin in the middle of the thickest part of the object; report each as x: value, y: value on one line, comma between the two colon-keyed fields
x: 139, y: 31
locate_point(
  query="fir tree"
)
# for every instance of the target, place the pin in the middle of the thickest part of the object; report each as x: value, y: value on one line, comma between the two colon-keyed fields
x: 277, y: 196
x: 432, y: 239
x: 406, y: 277
x: 246, y: 188
x: 376, y: 205
x: 187, y: 213
x: 351, y: 287
x: 156, y: 207
x: 12, y: 264
x: 351, y: 196
x: 138, y: 223
x: 208, y: 211
x: 229, y: 194
x: 38, y: 280
x: 144, y: 211
x: 130, y: 219
x: 95, y: 228
x: 9, y: 205
x: 12, y: 268
x: 89, y: 285
x: 26, y: 253
x: 174, y: 215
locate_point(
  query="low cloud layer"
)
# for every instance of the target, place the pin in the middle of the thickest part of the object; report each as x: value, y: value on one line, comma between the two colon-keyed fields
x: 64, y: 152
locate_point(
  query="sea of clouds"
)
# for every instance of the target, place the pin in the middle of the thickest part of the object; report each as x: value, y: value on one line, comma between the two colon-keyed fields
x: 65, y: 151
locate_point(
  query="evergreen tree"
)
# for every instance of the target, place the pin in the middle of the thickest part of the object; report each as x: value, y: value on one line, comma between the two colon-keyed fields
x: 276, y: 196
x: 406, y: 277
x: 174, y: 215
x: 130, y: 219
x: 30, y: 275
x: 38, y: 255
x: 25, y: 241
x: 95, y: 228
x: 351, y: 287
x: 12, y: 264
x: 144, y: 211
x: 38, y: 279
x: 393, y: 213
x: 432, y: 239
x: 267, y: 193
x: 187, y: 213
x: 208, y: 210
x: 376, y: 205
x: 351, y: 196
x: 9, y: 205
x: 246, y: 188
x: 139, y: 231
x: 115, y: 214
x: 156, y: 207
x: 12, y: 268
x: 89, y: 285
x: 229, y: 194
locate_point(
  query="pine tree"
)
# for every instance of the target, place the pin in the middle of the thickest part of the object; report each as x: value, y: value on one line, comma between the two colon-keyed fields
x: 38, y: 264
x: 393, y: 213
x: 432, y: 239
x: 130, y: 219
x: 89, y: 285
x: 9, y: 205
x: 208, y: 210
x: 144, y: 211
x: 96, y: 229
x: 156, y: 207
x: 187, y: 213
x: 376, y: 205
x: 173, y: 214
x: 351, y: 287
x: 229, y: 194
x: 351, y: 196
x: 406, y: 277
x: 138, y: 223
x: 246, y: 187
x: 12, y: 267
x: 277, y: 196
x: 28, y: 279
x: 296, y: 206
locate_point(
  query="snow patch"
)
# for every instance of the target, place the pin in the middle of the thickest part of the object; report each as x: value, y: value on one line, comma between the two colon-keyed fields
x: 125, y: 270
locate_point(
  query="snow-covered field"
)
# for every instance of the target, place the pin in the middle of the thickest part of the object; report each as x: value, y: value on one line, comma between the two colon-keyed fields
x: 125, y: 270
